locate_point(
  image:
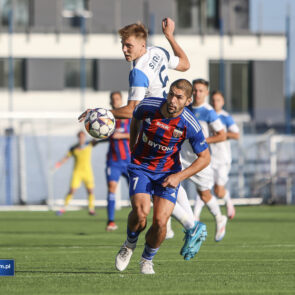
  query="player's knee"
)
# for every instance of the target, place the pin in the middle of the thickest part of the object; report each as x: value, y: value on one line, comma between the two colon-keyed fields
x: 112, y: 186
x: 219, y: 191
x: 159, y: 222
x: 141, y: 214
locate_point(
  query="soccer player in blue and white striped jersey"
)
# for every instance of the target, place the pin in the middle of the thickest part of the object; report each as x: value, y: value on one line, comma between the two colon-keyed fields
x: 214, y: 132
x: 221, y: 153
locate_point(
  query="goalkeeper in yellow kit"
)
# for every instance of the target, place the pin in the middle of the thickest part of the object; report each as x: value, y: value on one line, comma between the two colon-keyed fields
x: 82, y: 172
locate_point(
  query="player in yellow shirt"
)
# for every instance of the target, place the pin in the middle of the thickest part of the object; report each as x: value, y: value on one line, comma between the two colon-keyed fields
x: 82, y: 172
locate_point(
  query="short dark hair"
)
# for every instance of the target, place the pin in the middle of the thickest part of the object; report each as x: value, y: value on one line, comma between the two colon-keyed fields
x: 201, y: 81
x: 115, y: 92
x: 217, y: 92
x: 185, y: 85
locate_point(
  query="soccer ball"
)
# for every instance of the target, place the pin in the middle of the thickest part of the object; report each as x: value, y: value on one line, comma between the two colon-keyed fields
x: 100, y: 123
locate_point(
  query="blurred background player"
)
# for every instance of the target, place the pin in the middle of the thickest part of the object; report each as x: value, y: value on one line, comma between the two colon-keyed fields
x: 213, y: 132
x: 82, y: 171
x: 221, y: 153
x: 148, y: 78
x: 118, y: 158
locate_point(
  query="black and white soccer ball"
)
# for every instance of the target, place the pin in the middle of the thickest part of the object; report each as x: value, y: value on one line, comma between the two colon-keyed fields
x: 100, y: 123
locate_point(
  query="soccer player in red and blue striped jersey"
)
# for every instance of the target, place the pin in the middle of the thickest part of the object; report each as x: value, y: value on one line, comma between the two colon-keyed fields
x: 118, y: 158
x: 158, y: 129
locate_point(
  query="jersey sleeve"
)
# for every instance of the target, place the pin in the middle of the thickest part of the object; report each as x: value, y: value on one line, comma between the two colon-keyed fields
x: 172, y: 60
x: 139, y: 111
x: 214, y: 121
x: 231, y: 125
x: 196, y: 137
x: 138, y: 84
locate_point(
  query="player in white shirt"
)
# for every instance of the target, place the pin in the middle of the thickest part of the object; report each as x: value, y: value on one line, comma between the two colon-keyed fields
x: 213, y: 131
x: 148, y: 78
x: 221, y: 152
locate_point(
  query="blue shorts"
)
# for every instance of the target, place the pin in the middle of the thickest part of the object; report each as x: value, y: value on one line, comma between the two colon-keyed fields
x: 115, y: 169
x: 142, y: 181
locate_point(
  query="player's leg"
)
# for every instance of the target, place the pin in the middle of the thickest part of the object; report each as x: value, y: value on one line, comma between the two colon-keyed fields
x: 89, y: 184
x: 75, y: 184
x: 140, y: 191
x: 162, y: 209
x: 198, y: 207
x: 195, y: 232
x: 214, y: 208
x: 220, y: 190
x: 111, y: 200
x: 141, y: 205
x: 182, y: 210
x: 91, y: 201
x: 113, y: 173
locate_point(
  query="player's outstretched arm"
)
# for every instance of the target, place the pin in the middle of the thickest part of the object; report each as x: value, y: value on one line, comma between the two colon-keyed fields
x: 61, y: 162
x: 199, y: 164
x: 82, y: 117
x: 168, y: 27
x: 125, y: 112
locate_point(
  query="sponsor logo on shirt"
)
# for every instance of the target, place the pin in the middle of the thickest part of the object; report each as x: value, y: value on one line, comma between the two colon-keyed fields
x: 162, y: 125
x: 155, y: 144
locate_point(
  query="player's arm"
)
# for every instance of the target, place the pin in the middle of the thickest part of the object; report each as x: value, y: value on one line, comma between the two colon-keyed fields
x: 199, y: 164
x: 217, y: 137
x: 233, y: 135
x: 134, y: 131
x: 216, y: 125
x: 61, y: 162
x: 120, y: 135
x: 125, y: 112
x: 168, y: 27
x: 233, y: 131
x: 94, y: 142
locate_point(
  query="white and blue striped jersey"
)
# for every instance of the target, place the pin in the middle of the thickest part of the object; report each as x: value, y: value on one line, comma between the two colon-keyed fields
x: 221, y: 151
x: 208, y: 118
x: 209, y: 122
x: 149, y: 75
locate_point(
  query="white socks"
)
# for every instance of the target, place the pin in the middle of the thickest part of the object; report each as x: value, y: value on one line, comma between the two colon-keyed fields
x: 199, y: 204
x: 183, y: 211
x: 214, y: 207
x: 226, y: 197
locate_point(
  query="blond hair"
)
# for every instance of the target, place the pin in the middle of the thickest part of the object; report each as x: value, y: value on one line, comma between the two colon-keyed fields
x: 138, y: 30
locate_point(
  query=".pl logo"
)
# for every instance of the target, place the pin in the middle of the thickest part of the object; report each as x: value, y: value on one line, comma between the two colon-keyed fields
x: 6, y: 267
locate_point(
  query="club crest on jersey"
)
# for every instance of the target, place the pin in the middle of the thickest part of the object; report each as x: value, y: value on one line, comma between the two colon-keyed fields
x: 163, y: 126
x: 177, y: 133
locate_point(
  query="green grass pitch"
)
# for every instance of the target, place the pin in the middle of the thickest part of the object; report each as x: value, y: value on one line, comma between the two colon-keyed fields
x: 73, y: 254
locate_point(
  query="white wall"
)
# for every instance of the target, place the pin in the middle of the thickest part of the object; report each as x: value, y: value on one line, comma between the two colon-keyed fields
x: 199, y: 50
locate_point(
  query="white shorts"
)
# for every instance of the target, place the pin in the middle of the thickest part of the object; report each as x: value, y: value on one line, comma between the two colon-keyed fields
x: 221, y: 172
x: 203, y: 179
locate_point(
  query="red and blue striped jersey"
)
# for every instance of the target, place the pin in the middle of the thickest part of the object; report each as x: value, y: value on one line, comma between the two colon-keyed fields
x: 119, y: 148
x: 160, y: 139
